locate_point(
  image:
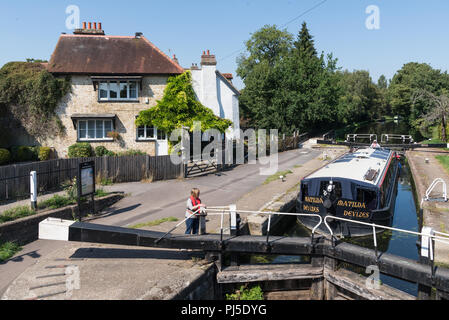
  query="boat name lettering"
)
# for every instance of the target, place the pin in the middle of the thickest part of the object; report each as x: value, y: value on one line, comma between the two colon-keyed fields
x: 356, y: 214
x: 314, y: 200
x: 311, y: 208
x: 351, y: 204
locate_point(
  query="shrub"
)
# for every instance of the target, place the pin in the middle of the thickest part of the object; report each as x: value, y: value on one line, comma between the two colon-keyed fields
x: 80, y: 150
x: 8, y: 249
x: 101, y: 151
x: 254, y: 293
x: 5, y: 156
x: 23, y: 153
x: 44, y: 153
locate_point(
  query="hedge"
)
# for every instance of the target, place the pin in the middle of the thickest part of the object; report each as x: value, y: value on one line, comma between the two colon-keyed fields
x: 5, y: 156
x: 44, y: 153
x: 80, y: 150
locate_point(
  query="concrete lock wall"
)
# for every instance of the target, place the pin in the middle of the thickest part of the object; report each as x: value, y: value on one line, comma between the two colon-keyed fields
x: 84, y: 100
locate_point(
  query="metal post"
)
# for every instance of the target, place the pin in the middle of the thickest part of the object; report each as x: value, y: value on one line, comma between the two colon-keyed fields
x: 268, y: 229
x: 33, y: 190
x: 233, y: 220
x: 202, y: 223
x: 375, y: 243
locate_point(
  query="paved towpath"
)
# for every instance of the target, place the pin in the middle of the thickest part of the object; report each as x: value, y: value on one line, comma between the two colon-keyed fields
x: 426, y: 168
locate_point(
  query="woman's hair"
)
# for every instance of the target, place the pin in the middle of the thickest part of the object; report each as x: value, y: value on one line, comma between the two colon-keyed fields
x: 195, y: 192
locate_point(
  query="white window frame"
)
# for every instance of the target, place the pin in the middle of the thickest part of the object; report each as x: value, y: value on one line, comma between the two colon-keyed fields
x: 104, y: 138
x: 154, y: 138
x: 108, y: 98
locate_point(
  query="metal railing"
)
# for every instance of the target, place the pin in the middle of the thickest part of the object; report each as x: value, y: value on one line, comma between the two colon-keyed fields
x: 355, y: 136
x: 385, y: 138
x: 225, y: 210
x: 432, y: 186
x: 432, y: 238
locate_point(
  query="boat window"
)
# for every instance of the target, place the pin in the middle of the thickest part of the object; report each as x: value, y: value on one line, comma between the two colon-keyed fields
x: 368, y: 197
x: 386, y: 184
x: 304, y: 191
x: 337, y: 189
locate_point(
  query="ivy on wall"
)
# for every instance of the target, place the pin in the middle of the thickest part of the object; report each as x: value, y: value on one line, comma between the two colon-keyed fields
x: 30, y: 94
x: 179, y: 107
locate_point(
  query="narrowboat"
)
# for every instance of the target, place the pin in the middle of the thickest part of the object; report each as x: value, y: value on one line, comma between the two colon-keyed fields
x: 361, y: 185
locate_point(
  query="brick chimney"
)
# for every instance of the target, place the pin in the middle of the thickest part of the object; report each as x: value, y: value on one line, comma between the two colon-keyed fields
x: 208, y: 59
x: 89, y: 30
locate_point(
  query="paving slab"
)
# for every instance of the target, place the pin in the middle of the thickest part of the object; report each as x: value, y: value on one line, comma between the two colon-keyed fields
x: 85, y: 271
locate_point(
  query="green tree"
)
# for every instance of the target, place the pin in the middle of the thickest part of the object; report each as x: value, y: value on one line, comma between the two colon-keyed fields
x: 304, y: 42
x: 406, y: 82
x: 439, y: 111
x: 260, y: 70
x: 361, y: 99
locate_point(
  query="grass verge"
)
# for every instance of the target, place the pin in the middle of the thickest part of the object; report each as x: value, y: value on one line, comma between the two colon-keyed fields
x: 444, y: 160
x: 276, y: 176
x: 153, y: 223
x: 16, y: 213
x: 8, y: 249
x: 55, y: 202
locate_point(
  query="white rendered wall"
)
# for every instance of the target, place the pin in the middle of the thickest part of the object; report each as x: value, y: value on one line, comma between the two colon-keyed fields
x: 214, y: 93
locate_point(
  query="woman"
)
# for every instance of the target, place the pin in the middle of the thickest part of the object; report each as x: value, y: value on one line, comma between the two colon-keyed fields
x: 194, y: 205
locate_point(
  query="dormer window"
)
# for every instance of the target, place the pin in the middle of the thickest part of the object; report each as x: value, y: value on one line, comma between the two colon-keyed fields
x: 118, y: 91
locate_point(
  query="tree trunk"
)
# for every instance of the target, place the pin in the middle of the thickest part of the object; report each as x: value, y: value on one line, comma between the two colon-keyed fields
x: 443, y: 130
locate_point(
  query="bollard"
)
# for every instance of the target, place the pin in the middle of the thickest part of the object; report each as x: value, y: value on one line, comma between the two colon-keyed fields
x: 234, y: 220
x: 33, y: 190
x: 202, y: 218
x: 426, y: 256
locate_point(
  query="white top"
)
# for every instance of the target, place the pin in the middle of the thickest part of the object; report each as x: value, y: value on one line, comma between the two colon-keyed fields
x: 355, y: 165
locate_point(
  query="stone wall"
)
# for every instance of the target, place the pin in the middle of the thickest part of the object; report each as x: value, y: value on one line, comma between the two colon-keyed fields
x: 26, y: 230
x: 84, y: 100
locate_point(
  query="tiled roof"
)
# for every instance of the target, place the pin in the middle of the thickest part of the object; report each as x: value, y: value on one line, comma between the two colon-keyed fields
x: 101, y: 55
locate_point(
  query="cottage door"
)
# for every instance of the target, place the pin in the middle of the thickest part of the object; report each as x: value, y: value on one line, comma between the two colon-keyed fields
x: 161, y: 144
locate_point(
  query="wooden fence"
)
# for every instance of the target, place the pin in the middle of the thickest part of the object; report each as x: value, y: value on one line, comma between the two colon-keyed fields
x: 15, y: 179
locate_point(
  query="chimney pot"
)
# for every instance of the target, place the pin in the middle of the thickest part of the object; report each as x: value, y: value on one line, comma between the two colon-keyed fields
x: 99, y: 26
x: 208, y: 52
x: 84, y: 25
x: 95, y: 25
x: 90, y: 25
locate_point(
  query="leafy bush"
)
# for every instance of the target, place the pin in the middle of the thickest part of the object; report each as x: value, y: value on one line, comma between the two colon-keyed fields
x: 101, y: 151
x: 44, y: 153
x: 8, y: 249
x: 71, y: 188
x: 5, y: 156
x: 31, y: 94
x: 23, y: 153
x: 255, y: 293
x: 80, y: 150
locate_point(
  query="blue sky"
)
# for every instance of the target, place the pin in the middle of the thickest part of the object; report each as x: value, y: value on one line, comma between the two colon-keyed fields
x: 409, y: 30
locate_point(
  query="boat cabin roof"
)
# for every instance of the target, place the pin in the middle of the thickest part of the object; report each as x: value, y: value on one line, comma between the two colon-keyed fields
x: 365, y: 165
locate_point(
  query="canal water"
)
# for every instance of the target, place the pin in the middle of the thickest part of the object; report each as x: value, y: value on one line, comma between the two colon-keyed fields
x: 406, y: 216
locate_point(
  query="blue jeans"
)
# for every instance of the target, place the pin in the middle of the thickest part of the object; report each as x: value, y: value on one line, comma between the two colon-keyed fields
x: 192, y: 225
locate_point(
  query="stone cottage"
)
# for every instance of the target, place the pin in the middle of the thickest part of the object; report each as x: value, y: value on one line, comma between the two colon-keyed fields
x: 116, y: 77
x: 113, y: 79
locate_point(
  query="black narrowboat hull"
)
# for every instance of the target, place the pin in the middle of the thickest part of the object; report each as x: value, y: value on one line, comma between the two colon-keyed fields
x: 345, y: 229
